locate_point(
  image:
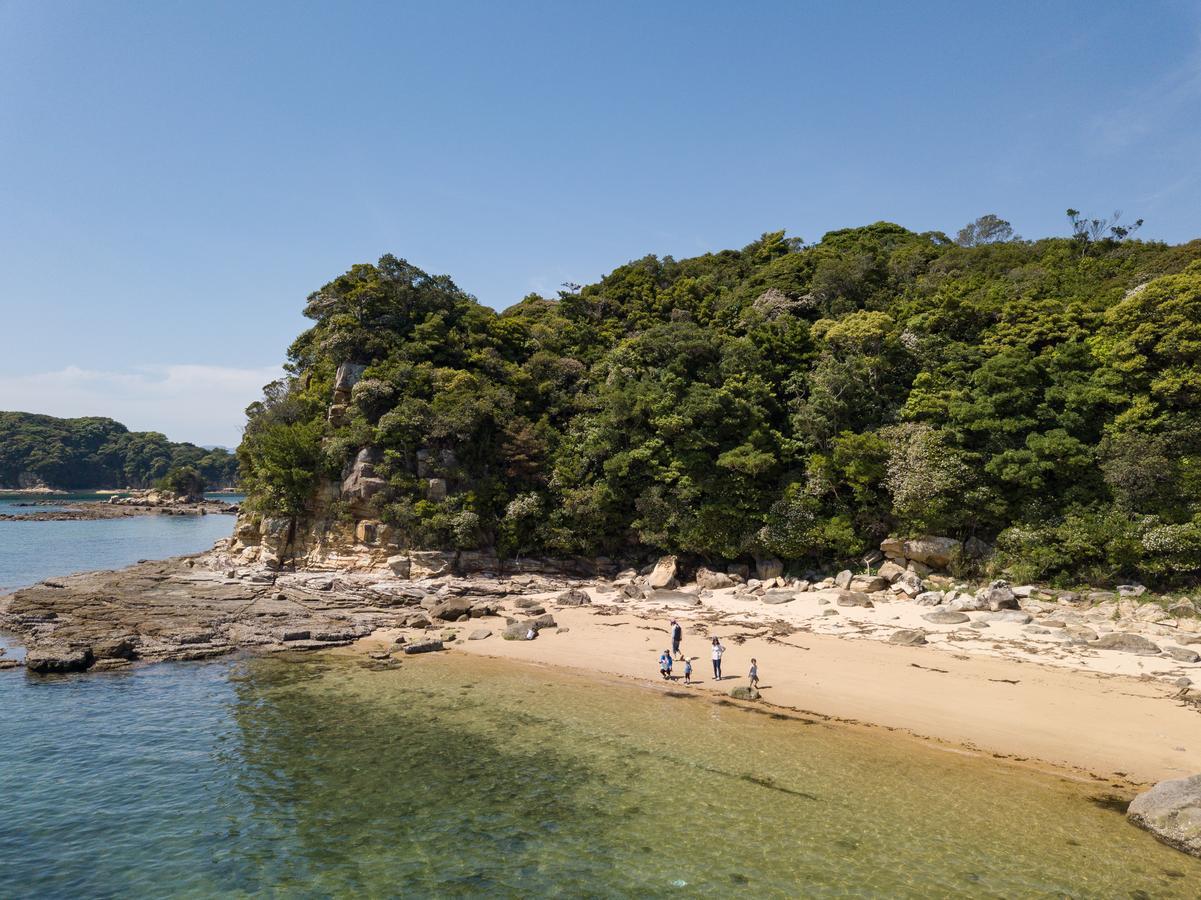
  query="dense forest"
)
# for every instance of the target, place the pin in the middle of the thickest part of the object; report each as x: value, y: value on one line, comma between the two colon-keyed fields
x: 801, y: 400
x: 98, y: 453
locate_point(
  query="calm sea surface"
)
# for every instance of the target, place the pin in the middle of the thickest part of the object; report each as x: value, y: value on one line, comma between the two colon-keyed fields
x: 31, y: 551
x: 323, y: 776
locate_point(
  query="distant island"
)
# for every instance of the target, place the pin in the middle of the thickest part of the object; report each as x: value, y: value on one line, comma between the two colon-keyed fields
x: 40, y: 452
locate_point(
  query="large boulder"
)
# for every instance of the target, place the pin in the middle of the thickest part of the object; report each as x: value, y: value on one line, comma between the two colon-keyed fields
x: 891, y: 570
x: 998, y: 595
x: 53, y: 658
x: 675, y: 598
x: 768, y: 567
x: 452, y: 609
x: 1128, y: 643
x: 664, y: 573
x: 843, y: 579
x: 430, y: 563
x: 1172, y: 812
x: 868, y: 584
x: 708, y: 580
x: 936, y: 552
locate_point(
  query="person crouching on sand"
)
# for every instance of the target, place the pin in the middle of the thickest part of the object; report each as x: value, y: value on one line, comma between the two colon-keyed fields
x: 688, y: 671
x: 718, y: 650
x: 665, y: 664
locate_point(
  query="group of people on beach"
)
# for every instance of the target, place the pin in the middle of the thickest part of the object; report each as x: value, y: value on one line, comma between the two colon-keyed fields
x: 668, y: 657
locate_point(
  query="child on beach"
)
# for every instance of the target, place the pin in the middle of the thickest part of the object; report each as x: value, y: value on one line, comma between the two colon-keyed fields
x: 665, y: 664
x: 688, y: 671
x: 754, y: 674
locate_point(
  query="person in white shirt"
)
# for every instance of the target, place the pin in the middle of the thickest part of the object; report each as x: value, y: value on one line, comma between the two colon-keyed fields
x: 718, y: 650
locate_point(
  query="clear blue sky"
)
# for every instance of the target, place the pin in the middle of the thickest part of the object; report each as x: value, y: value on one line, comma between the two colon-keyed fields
x: 176, y: 177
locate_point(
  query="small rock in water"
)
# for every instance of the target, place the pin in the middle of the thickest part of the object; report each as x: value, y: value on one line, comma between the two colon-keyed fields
x: 423, y: 647
x: 1172, y: 812
x: 743, y: 692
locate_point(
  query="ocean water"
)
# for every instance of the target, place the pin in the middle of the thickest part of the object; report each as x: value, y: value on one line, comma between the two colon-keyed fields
x: 31, y: 551
x: 447, y: 776
x: 326, y: 775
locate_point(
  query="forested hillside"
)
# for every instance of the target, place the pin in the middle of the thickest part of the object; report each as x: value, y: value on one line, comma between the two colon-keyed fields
x: 97, y: 453
x: 792, y: 399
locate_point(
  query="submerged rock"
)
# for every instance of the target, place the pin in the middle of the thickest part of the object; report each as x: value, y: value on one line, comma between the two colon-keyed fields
x: 423, y: 647
x: 743, y: 692
x: 1172, y: 812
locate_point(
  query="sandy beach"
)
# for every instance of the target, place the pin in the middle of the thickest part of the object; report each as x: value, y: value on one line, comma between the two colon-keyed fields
x: 1098, y: 714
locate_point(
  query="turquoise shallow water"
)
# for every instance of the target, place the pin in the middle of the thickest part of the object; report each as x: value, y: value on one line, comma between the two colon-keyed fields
x: 450, y: 776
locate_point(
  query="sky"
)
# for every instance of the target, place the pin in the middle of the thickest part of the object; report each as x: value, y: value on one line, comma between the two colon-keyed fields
x: 176, y: 177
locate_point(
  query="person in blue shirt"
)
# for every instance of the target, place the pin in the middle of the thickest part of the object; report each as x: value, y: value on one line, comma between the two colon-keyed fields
x: 665, y: 664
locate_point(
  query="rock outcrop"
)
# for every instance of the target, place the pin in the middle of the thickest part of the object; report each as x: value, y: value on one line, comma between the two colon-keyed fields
x: 664, y: 573
x: 1172, y: 812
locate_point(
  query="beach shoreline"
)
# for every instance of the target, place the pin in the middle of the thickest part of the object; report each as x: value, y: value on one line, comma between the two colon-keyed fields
x: 990, y: 686
x: 1110, y: 729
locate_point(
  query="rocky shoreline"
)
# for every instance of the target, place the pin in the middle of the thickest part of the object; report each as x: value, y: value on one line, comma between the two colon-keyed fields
x: 213, y: 603
x: 86, y: 510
